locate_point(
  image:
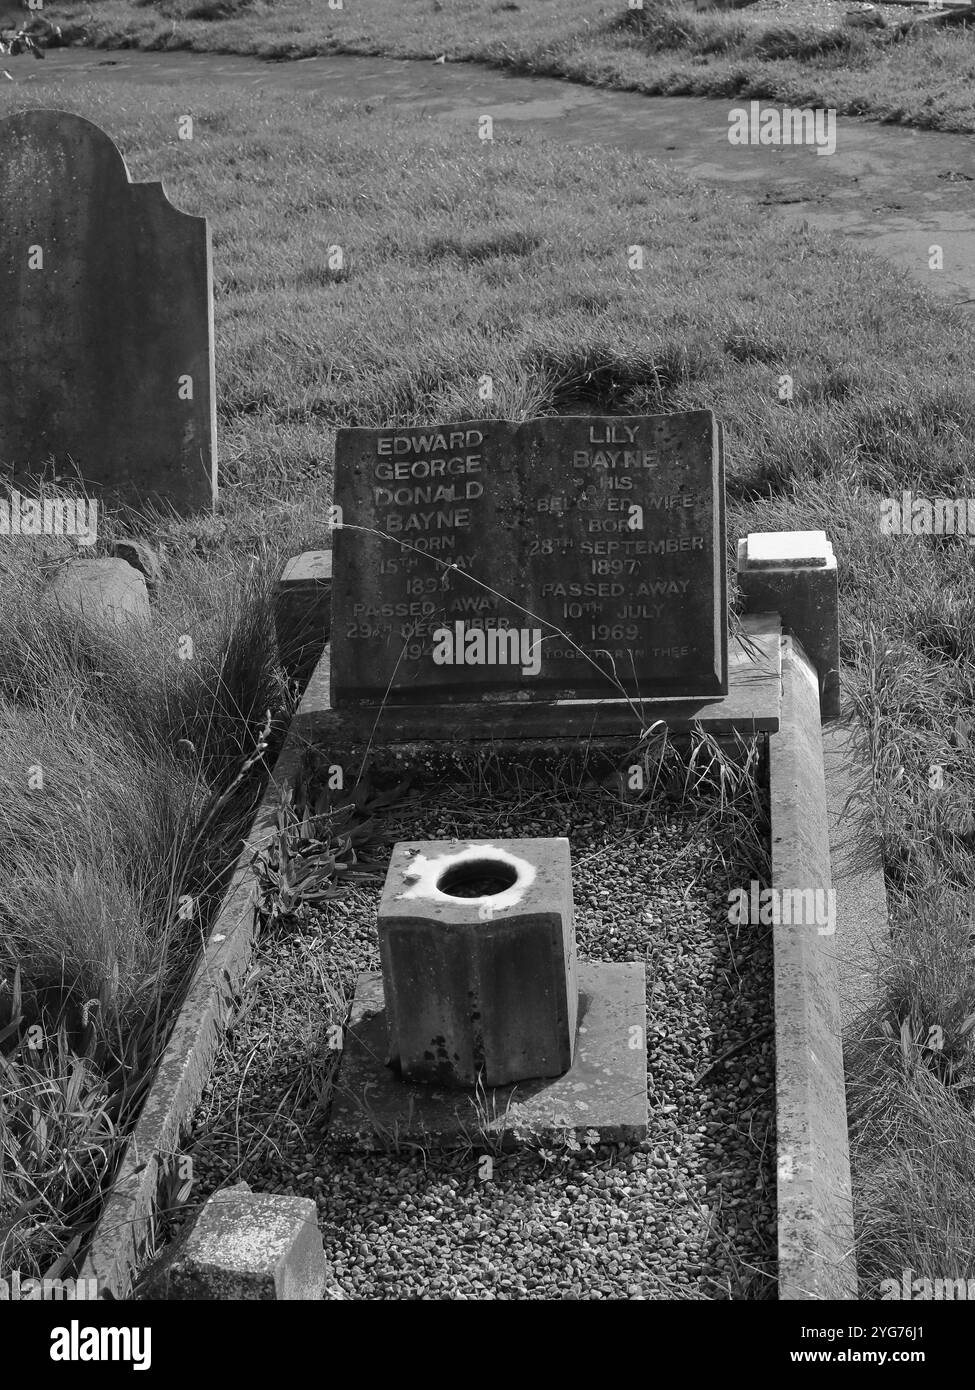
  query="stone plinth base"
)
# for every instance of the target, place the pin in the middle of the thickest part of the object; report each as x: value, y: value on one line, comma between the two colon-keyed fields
x: 605, y: 1089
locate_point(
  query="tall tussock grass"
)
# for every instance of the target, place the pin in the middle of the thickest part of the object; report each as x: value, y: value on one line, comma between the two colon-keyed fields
x: 122, y: 751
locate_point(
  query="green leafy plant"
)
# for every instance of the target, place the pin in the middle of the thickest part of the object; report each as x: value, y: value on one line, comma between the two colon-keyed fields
x: 318, y: 846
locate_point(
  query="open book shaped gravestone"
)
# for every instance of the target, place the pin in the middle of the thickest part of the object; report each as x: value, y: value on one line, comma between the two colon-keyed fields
x: 106, y: 306
x: 523, y: 575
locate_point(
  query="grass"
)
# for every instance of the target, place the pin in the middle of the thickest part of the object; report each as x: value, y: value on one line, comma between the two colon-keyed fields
x: 461, y: 258
x: 666, y: 49
x: 129, y: 774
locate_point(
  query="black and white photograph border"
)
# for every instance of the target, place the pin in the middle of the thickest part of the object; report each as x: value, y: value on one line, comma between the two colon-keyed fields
x: 485, y: 536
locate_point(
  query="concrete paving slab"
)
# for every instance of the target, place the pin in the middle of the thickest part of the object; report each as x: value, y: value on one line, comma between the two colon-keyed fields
x: 605, y: 1089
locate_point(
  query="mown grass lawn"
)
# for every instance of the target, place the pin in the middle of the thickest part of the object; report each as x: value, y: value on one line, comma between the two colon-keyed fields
x: 667, y: 48
x: 464, y: 258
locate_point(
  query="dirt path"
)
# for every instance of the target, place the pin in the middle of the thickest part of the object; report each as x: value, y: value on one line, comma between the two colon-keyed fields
x: 897, y: 191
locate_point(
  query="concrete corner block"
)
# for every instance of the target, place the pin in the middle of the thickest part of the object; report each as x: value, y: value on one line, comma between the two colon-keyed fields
x: 105, y: 592
x: 303, y: 611
x: 793, y: 573
x: 251, y: 1246
x: 477, y: 943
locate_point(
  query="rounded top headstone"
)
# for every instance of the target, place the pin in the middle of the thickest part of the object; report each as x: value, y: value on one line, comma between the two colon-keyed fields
x: 43, y: 147
x: 106, y: 286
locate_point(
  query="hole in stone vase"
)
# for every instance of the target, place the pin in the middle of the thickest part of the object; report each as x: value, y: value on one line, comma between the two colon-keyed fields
x: 477, y: 878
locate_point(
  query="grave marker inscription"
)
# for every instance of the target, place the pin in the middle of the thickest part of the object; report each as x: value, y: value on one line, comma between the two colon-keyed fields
x: 106, y: 306
x: 607, y: 529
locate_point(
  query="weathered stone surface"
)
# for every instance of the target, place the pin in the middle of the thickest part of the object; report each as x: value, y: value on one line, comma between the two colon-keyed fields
x: 540, y: 514
x: 251, y: 1245
x: 793, y: 573
x: 106, y: 592
x: 141, y: 556
x: 479, y: 983
x: 303, y: 611
x: 817, y: 1256
x: 605, y: 1089
x: 773, y: 550
x: 751, y: 706
x: 107, y: 312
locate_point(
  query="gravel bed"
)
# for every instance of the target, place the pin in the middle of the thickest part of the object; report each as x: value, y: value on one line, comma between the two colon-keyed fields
x: 688, y: 1214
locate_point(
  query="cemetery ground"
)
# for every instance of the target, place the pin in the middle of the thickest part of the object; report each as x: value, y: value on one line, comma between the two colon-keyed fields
x: 463, y: 257
x: 669, y: 48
